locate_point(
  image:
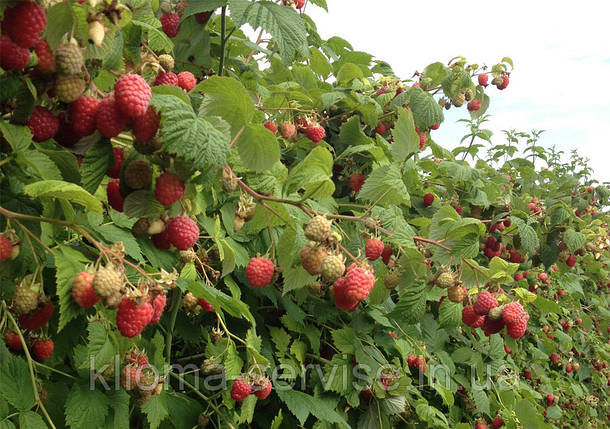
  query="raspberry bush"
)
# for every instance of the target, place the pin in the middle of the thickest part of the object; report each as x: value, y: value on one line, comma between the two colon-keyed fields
x: 202, y: 230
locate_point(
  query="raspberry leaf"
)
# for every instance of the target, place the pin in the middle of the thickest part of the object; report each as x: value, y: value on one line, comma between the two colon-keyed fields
x: 190, y: 137
x: 98, y: 159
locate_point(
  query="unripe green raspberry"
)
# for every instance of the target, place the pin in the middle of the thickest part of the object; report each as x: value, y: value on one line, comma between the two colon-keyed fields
x: 468, y: 94
x: 495, y: 313
x: 459, y: 99
x: 107, y: 282
x: 332, y: 268
x: 69, y: 88
x: 167, y: 62
x: 25, y: 300
x: 445, y: 280
x: 69, y: 59
x: 318, y: 229
x: 391, y: 279
x: 497, y: 81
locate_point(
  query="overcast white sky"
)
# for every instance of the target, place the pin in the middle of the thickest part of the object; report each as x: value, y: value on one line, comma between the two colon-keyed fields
x: 560, y: 49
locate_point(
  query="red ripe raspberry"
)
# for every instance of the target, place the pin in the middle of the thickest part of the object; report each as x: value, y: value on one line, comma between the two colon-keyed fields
x: 24, y: 23
x: 82, y: 115
x: 46, y: 59
x: 205, y: 305
x: 504, y: 84
x: 259, y: 272
x: 470, y: 318
x: 270, y: 125
x: 518, y: 277
x: 42, y: 124
x: 169, y: 189
x: 341, y: 300
x: 169, y: 78
x: 483, y: 78
x: 65, y: 135
x: 481, y: 425
x: 186, y: 80
x: 43, y: 349
x: 571, y: 260
x: 373, y: 249
x: 115, y: 199
x: 261, y: 392
x: 109, y: 119
x: 315, y: 132
x: 132, y: 94
x: 484, y: 303
x: 428, y: 199
x: 459, y: 210
x: 12, y: 56
x: 411, y: 360
x: 381, y: 129
x: 170, y: 24
x: 550, y: 399
x: 512, y: 312
x: 119, y: 156
x: 491, y: 326
x: 240, y: 390
x: 386, y: 254
x: 6, y: 248
x: 145, y: 127
x: 13, y: 341
x: 301, y: 124
x: 358, y: 283
x: 158, y: 307
x: 435, y: 126
x: 131, y: 318
x: 419, y: 364
x: 82, y: 290
x: 543, y: 277
x: 183, y: 232
x: 474, y: 105
x: 517, y: 329
x: 37, y: 318
x: 356, y: 181
x: 161, y: 240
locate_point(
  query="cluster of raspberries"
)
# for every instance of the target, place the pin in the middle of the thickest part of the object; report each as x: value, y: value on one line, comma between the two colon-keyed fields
x: 486, y: 314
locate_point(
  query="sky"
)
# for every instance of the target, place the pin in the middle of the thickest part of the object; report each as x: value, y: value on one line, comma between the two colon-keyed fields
x: 560, y: 50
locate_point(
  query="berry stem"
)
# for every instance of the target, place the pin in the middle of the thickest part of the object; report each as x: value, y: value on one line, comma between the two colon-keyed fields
x: 223, y: 30
x: 202, y: 396
x: 172, y: 323
x: 30, y: 366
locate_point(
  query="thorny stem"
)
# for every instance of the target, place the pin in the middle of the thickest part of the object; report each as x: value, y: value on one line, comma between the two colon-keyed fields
x: 30, y: 366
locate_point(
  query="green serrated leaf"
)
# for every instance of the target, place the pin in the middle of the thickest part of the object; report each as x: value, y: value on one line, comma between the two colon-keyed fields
x: 283, y: 23
x: 65, y: 191
x: 98, y: 159
x: 188, y: 136
x: 258, y: 148
x: 86, y: 407
x: 406, y: 140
